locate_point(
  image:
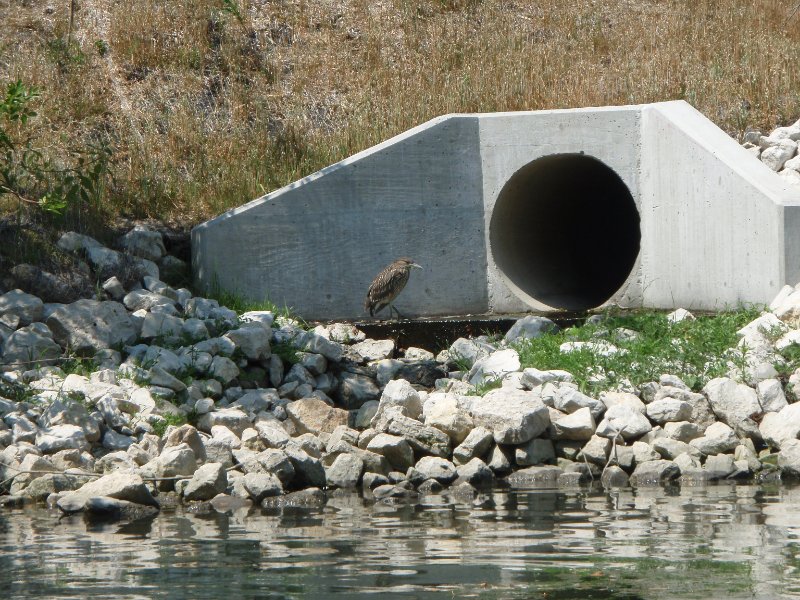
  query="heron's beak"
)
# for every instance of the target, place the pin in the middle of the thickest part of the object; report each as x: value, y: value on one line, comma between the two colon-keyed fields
x: 415, y: 265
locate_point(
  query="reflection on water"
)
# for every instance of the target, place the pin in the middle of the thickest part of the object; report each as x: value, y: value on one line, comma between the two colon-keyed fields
x: 706, y: 542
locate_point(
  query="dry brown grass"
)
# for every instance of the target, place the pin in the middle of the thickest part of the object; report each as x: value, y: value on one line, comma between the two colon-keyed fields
x: 205, y: 112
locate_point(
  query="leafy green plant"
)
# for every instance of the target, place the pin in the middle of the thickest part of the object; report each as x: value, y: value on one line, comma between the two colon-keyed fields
x: 789, y: 361
x: 286, y: 352
x: 34, y: 179
x: 487, y: 385
x: 101, y: 46
x: 461, y: 363
x: 230, y: 7
x: 160, y: 426
x: 78, y: 365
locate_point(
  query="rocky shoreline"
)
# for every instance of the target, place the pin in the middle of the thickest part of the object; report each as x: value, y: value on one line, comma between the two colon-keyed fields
x: 147, y: 395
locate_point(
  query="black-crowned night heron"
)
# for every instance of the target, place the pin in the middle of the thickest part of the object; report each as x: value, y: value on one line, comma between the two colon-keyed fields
x: 387, y: 285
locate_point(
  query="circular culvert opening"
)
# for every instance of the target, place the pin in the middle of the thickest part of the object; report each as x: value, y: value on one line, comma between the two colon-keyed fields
x: 565, y: 231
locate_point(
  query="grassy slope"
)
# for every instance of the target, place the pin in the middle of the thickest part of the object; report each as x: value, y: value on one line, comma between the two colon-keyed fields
x: 205, y: 111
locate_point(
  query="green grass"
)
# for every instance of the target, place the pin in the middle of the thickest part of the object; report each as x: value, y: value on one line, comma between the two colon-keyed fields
x: 160, y: 427
x: 240, y: 304
x: 693, y: 350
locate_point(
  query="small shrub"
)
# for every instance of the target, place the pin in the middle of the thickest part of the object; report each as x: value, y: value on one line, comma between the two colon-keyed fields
x: 35, y: 180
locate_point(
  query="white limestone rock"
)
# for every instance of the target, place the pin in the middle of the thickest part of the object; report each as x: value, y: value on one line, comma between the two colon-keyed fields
x: 310, y: 415
x: 790, y: 175
x: 207, y: 481
x: 355, y: 390
x: 223, y: 369
x: 375, y: 349
x: 702, y: 414
x: 366, y: 413
x: 622, y: 420
x: 423, y: 438
x: 776, y: 155
x: 116, y: 441
x: 395, y: 448
x: 668, y: 410
x: 624, y: 399
x: 476, y: 473
x: 683, y: 431
x: 595, y: 450
x: 234, y: 419
x: 670, y: 448
x: 177, y: 460
x: 144, y: 242
x: 398, y: 394
x: 345, y: 472
x: 343, y: 333
x: 536, y: 452
x: 771, y: 396
x: 261, y: 485
x: 680, y: 314
x: 654, y: 472
x: 26, y: 307
x: 465, y: 352
x: 734, y: 404
x: 311, y: 342
x: 789, y: 458
x: 790, y: 338
x: 159, y: 377
x: 777, y: 428
x: 579, y: 425
x: 513, y: 416
x: 70, y: 412
x: 530, y: 327
x: 61, y: 437
x: 476, y: 444
x: 90, y: 325
x: 719, y: 466
x: 73, y: 242
x: 413, y: 353
x: 569, y: 400
x: 601, y: 348
x: 718, y: 438
x: 494, y: 366
x: 644, y: 452
x: 120, y: 485
x: 253, y: 340
x: 34, y: 342
x: 445, y: 412
x: 788, y: 310
x: 434, y: 467
x: 534, y: 377
x: 309, y: 470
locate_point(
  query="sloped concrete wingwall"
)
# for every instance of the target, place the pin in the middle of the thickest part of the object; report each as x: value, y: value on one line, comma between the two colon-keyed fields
x: 317, y: 244
x: 718, y: 227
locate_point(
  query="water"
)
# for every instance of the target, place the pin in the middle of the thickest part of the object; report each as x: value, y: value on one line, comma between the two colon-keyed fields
x: 721, y: 541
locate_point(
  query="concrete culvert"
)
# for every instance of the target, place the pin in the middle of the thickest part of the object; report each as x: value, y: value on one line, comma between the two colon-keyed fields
x: 565, y: 231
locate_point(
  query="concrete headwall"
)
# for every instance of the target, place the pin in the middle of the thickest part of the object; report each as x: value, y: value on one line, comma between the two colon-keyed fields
x: 647, y: 205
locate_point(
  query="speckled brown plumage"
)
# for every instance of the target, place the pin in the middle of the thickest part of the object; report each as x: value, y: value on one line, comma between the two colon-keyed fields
x: 387, y: 285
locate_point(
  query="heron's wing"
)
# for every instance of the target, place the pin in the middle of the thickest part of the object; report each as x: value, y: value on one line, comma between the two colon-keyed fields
x: 386, y: 286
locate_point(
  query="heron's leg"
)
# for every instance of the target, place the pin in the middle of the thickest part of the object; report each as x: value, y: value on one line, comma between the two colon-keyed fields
x: 399, y: 316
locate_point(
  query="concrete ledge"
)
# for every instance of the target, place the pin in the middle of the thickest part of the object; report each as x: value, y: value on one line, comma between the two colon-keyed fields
x: 647, y: 205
